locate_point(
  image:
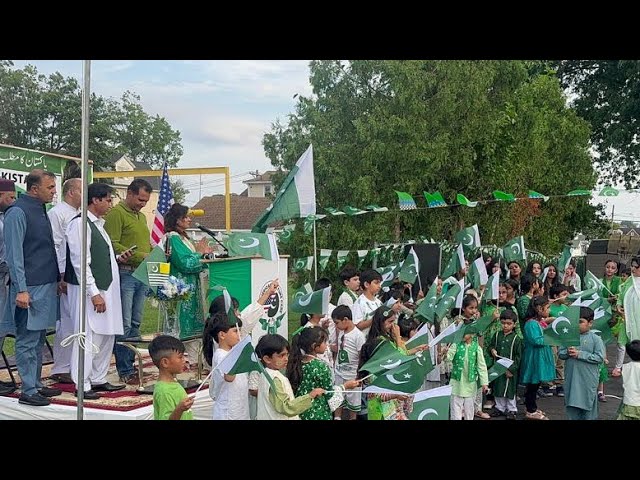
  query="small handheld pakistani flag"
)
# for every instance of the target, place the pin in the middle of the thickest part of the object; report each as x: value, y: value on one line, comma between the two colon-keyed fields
x: 427, y: 307
x: 584, y: 296
x: 448, y: 301
x: 385, y: 357
x: 483, y: 322
x: 478, y: 273
x: 564, y: 260
x: 469, y: 238
x: 564, y: 331
x: 410, y: 268
x: 514, y: 250
x: 493, y: 286
x: 499, y: 368
x: 432, y: 404
x: 388, y: 274
x: 250, y: 244
x: 314, y: 302
x: 452, y: 334
x: 601, y: 327
x: 407, y: 377
x: 456, y: 263
x: 304, y: 290
x: 228, y: 307
x: 591, y: 281
x: 240, y: 359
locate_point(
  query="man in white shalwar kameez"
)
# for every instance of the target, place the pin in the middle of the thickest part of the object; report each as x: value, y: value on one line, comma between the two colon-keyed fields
x: 104, y: 309
x: 631, y: 302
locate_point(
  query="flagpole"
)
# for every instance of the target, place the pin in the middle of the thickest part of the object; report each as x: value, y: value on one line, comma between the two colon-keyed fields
x: 315, y: 253
x: 84, y: 149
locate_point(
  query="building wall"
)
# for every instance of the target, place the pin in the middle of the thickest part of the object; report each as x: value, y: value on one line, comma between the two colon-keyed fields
x: 123, y: 165
x: 256, y: 190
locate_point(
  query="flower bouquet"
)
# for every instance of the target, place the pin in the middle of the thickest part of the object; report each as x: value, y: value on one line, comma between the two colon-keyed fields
x: 169, y: 295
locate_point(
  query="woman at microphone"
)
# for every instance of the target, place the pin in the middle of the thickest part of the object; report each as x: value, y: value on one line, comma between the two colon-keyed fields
x: 184, y: 258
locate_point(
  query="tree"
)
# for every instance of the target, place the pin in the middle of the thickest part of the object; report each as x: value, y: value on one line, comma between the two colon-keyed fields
x: 44, y: 113
x: 606, y: 93
x: 450, y: 126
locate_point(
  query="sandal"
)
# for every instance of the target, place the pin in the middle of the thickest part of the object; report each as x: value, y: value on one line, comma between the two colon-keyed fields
x: 617, y: 372
x: 537, y: 415
x: 601, y: 397
x: 482, y: 415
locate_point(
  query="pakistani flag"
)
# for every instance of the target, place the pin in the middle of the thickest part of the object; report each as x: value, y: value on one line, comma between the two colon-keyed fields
x: 499, y: 368
x: 469, y: 238
x: 462, y: 200
x: 323, y: 259
x: 388, y: 273
x: 302, y: 264
x: 420, y: 338
x: 448, y: 301
x: 564, y: 259
x: 590, y: 281
x: 601, y: 326
x: 341, y: 257
x: 564, y: 330
x: 296, y: 197
x: 156, y: 256
x: 434, y: 199
x: 478, y: 273
x: 514, y: 250
x: 158, y: 273
x: 482, y: 323
x: 407, y: 377
x: 385, y: 358
x: 432, y: 404
x: 608, y: 192
x: 314, y: 302
x: 287, y: 233
x: 351, y: 211
x: 305, y: 289
x: 334, y: 211
x: 584, y: 298
x: 534, y: 194
x: 252, y: 244
x: 456, y: 263
x: 362, y: 254
x: 427, y: 307
x: 242, y: 358
x: 309, y: 221
x: 410, y: 268
x: 493, y: 286
x: 454, y: 333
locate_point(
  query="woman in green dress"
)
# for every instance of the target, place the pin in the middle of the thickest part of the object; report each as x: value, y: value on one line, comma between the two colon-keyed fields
x: 185, y: 259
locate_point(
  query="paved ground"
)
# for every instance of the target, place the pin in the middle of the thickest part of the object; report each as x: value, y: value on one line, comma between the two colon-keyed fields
x: 554, y: 406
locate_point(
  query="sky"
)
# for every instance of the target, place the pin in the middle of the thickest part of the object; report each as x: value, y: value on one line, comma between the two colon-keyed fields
x: 223, y: 108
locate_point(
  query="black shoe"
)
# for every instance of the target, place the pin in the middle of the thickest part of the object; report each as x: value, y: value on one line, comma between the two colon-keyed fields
x: 106, y: 387
x: 512, y: 416
x: 49, y: 392
x: 62, y: 378
x: 7, y: 389
x: 89, y: 395
x: 35, y: 400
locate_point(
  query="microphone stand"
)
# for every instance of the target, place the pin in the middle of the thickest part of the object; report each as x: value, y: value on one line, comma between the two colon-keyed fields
x: 226, y: 252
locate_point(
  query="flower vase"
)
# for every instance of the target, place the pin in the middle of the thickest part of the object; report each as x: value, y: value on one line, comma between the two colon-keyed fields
x: 168, y: 312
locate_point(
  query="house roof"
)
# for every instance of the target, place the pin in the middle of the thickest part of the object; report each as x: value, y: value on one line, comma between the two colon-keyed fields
x: 154, y: 181
x: 264, y: 178
x: 244, y: 211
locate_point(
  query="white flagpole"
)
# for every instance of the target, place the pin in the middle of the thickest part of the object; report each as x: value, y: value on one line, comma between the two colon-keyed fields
x: 315, y: 253
x: 86, y: 78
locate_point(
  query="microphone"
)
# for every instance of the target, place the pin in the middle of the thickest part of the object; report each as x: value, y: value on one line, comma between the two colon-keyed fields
x: 212, y: 234
x: 195, y: 213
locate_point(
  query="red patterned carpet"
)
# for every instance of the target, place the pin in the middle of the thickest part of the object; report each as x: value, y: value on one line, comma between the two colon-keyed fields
x: 122, y: 400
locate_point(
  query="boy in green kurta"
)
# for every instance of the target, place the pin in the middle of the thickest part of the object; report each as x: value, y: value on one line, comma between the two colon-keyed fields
x: 170, y: 400
x: 506, y: 344
x: 582, y: 371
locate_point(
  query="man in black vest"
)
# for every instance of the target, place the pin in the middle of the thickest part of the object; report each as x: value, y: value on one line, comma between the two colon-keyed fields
x: 34, y: 276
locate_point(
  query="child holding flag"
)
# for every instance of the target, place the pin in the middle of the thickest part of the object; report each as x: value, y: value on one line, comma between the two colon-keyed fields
x: 506, y: 344
x: 582, y: 371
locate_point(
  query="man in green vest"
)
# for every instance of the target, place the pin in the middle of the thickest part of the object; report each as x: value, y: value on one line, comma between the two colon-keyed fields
x: 104, y: 308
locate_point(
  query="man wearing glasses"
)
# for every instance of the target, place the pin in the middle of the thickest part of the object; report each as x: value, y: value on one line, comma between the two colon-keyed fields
x: 629, y: 304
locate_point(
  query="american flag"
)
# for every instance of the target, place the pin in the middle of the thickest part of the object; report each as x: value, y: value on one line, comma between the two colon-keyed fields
x: 164, y: 202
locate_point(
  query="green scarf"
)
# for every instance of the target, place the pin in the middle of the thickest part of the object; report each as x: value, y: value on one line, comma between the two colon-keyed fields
x: 458, y: 360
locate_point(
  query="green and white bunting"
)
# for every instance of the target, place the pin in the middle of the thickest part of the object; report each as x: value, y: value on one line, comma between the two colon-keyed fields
x: 406, y: 201
x: 462, y: 200
x: 334, y: 211
x: 534, y: 194
x: 296, y: 197
x: 434, y: 199
x: 314, y: 302
x: 351, y: 211
x: 376, y: 208
x: 287, y: 233
x: 609, y: 192
x: 341, y: 258
x: 323, y: 259
x: 504, y: 197
x: 302, y: 264
x: 362, y: 254
x: 432, y: 404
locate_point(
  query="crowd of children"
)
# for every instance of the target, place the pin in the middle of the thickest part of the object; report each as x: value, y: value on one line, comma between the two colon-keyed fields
x: 320, y: 375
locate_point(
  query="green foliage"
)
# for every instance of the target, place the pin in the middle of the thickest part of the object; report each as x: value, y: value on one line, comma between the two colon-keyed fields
x: 607, y: 96
x: 449, y: 126
x: 44, y: 113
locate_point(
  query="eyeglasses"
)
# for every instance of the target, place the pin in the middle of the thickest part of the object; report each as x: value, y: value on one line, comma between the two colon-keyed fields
x: 634, y: 266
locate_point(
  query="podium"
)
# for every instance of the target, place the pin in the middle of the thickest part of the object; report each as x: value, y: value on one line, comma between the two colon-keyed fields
x: 246, y: 279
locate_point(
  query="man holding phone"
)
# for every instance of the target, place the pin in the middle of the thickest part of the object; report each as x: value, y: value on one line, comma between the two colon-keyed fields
x: 127, y: 228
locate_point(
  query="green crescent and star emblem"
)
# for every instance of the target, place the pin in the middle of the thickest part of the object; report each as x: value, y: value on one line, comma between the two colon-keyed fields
x: 271, y: 325
x: 343, y: 356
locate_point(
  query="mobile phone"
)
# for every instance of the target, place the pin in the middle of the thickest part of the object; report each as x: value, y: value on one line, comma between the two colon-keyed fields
x: 131, y: 249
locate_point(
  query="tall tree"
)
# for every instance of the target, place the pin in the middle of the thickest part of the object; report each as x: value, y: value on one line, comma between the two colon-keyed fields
x: 44, y: 113
x: 606, y: 93
x: 451, y: 126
